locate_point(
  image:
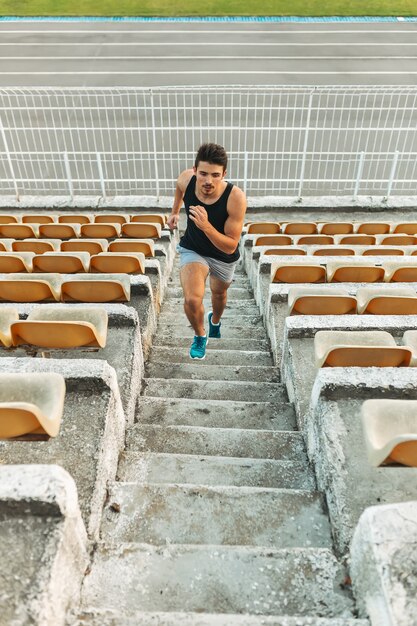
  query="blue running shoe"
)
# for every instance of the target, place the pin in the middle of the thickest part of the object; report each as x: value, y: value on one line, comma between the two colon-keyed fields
x: 198, y: 348
x: 214, y: 329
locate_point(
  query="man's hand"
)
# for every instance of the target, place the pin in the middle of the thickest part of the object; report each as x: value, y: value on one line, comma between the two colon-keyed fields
x: 198, y: 215
x: 172, y: 221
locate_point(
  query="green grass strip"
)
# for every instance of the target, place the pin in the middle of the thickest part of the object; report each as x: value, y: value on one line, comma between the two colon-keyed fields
x: 167, y: 8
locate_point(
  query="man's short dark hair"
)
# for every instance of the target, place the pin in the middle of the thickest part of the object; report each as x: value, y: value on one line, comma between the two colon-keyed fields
x: 211, y: 153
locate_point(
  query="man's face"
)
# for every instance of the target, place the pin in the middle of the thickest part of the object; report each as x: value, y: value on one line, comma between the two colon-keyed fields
x: 209, y: 179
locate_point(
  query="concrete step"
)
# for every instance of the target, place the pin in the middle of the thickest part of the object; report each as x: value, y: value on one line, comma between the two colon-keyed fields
x: 202, y: 371
x: 233, y: 293
x: 216, y: 414
x: 159, y: 354
x: 214, y: 390
x: 114, y: 618
x: 216, y: 344
x: 228, y: 331
x: 198, y: 514
x: 215, y: 579
x: 239, y: 306
x: 177, y: 316
x: 214, y: 471
x: 256, y: 444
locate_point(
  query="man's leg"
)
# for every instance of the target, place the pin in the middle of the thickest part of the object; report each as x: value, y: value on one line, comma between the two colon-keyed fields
x: 193, y: 281
x: 218, y: 297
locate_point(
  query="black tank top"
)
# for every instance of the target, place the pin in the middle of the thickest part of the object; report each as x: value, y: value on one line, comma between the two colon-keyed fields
x: 194, y: 238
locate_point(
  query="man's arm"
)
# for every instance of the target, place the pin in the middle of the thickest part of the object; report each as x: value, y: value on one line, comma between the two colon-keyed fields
x: 236, y: 208
x: 182, y: 182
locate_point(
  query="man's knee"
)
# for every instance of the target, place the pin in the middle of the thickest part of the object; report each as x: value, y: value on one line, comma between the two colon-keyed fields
x: 193, y: 302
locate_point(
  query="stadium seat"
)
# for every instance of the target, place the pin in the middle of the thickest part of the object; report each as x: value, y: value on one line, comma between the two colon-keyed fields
x: 62, y: 327
x: 402, y: 271
x: 335, y: 228
x: 8, y: 219
x: 8, y: 315
x: 273, y: 240
x: 264, y: 228
x: 92, y: 246
x: 97, y: 288
x: 37, y: 246
x: 345, y: 272
x: 111, y: 218
x: 18, y: 231
x: 62, y: 262
x: 355, y: 240
x: 375, y: 348
x: 118, y: 263
x: 13, y: 262
x: 372, y: 228
x: 383, y: 251
x: 299, y: 228
x: 408, y: 228
x: 30, y: 287
x: 146, y: 246
x: 297, y: 272
x: 285, y: 251
x: 410, y: 340
x: 38, y: 219
x: 71, y: 218
x: 390, y: 431
x: 31, y: 405
x: 59, y: 231
x: 140, y: 230
x: 397, y: 240
x: 387, y: 301
x: 314, y: 240
x: 6, y: 245
x: 319, y: 300
x: 334, y: 251
x: 150, y: 218
x: 101, y: 230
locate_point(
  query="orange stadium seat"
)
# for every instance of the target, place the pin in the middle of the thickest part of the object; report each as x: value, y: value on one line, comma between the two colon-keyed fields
x: 264, y: 228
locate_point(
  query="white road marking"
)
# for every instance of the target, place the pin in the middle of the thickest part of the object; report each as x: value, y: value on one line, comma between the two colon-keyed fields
x: 399, y: 31
x: 205, y: 43
x: 199, y: 72
x: 203, y: 58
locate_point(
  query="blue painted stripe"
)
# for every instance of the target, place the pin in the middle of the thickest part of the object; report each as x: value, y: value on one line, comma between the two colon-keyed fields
x: 211, y: 19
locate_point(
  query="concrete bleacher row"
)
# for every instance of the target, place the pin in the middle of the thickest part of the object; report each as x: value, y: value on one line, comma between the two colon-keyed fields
x: 331, y: 228
x: 356, y: 408
x: 70, y: 377
x: 73, y: 262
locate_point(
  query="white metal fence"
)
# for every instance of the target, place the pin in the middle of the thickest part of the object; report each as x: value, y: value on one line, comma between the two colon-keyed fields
x: 281, y: 141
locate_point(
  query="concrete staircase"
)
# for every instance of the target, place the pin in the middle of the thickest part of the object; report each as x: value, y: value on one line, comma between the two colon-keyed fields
x: 215, y: 518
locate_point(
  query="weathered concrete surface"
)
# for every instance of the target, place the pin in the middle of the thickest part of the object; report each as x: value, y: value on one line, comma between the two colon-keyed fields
x: 220, y: 515
x: 217, y: 413
x: 42, y: 545
x: 298, y: 371
x: 249, y: 373
x: 110, y: 618
x: 181, y: 356
x: 337, y: 448
x: 91, y: 434
x: 217, y: 580
x: 218, y: 470
x: 260, y: 444
x: 384, y: 564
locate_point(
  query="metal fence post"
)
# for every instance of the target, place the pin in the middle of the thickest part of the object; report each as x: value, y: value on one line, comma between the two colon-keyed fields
x: 359, y: 174
x: 245, y: 171
x: 307, y: 130
x: 68, y: 173
x: 9, y: 159
x: 100, y: 173
x: 155, y: 160
x: 392, y: 173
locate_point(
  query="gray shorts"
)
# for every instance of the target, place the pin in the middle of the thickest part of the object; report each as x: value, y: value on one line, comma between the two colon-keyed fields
x: 221, y: 270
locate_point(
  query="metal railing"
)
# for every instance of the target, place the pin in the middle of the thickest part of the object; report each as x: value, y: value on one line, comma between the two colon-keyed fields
x: 281, y: 141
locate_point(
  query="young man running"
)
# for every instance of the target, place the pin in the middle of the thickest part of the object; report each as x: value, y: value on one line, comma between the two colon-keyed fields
x: 215, y: 213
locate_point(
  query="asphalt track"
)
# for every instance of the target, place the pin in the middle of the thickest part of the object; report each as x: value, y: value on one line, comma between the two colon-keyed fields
x: 105, y: 54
